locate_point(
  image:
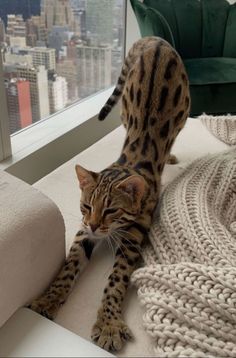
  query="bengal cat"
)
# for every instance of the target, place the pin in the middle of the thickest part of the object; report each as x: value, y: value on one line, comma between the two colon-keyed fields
x: 119, y: 202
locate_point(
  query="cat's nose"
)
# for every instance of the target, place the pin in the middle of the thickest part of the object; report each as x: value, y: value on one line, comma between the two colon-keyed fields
x: 94, y: 227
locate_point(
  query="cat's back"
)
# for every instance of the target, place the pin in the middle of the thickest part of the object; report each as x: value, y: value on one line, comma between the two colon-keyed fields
x: 157, y: 83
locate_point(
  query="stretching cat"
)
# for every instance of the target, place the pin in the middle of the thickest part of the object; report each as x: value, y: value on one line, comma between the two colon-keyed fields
x: 119, y: 202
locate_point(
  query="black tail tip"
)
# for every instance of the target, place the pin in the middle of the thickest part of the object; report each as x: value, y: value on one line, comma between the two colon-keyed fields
x: 103, y: 113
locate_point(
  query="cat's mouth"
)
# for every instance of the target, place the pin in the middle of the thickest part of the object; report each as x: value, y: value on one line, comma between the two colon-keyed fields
x: 98, y: 234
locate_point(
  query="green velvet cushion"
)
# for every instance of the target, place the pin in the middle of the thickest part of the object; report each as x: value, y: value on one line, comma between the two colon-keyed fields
x: 211, y: 70
x: 214, y: 18
x: 213, y: 99
x: 185, y: 20
x: 152, y: 22
x: 200, y: 28
x: 230, y: 34
x: 165, y: 8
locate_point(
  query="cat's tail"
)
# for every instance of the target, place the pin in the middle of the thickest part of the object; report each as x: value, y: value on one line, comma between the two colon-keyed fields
x: 116, y: 94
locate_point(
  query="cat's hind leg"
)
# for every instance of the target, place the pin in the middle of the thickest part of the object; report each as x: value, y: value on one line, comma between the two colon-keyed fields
x: 172, y: 159
x: 79, y: 255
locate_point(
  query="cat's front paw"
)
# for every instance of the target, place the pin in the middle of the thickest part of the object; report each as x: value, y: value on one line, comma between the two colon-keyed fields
x: 45, y: 307
x: 111, y: 335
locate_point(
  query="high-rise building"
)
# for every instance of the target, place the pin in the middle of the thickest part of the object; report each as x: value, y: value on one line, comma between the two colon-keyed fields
x: 2, y: 31
x: 68, y: 69
x: 13, y: 59
x: 78, y: 4
x: 58, y: 92
x: 43, y: 56
x: 36, y: 26
x: 16, y: 26
x: 16, y: 30
x: 56, y: 13
x: 57, y: 37
x: 94, y: 69
x: 79, y: 26
x: 18, y: 103
x: 26, y: 8
x: 38, y: 80
x: 99, y: 21
x: 31, y: 33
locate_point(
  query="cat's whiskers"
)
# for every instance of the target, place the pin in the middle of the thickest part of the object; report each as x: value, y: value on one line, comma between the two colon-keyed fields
x: 119, y: 244
x: 127, y: 233
x: 111, y: 246
x: 128, y: 241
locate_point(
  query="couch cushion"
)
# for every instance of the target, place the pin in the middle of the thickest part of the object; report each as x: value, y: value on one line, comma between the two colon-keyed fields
x: 32, y: 243
x: 211, y: 70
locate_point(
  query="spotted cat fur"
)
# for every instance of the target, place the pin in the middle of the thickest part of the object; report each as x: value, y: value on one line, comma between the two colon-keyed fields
x: 118, y: 202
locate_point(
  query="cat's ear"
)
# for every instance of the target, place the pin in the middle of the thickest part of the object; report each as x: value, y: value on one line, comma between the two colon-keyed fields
x: 86, y: 177
x: 134, y: 186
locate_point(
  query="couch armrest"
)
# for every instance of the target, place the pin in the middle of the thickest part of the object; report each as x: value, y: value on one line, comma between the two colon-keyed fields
x: 32, y: 243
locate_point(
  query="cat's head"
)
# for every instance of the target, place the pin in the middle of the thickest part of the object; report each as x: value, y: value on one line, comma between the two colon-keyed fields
x: 108, y: 205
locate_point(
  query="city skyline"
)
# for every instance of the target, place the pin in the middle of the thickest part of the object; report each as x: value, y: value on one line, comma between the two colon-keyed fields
x: 66, y: 52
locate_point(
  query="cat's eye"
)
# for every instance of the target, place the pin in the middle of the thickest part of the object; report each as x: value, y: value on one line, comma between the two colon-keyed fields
x: 86, y: 207
x: 109, y: 211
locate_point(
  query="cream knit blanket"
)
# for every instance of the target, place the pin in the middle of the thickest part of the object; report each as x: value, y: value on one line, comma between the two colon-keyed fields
x: 222, y: 127
x: 188, y: 286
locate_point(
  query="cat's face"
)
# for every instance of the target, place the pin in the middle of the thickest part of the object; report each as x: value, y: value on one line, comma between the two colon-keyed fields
x: 108, y: 207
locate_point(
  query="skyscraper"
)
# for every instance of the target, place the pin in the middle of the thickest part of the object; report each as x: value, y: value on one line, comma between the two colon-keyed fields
x: 2, y: 31
x: 43, y: 56
x: 38, y: 80
x: 18, y: 103
x: 99, y: 21
x: 94, y: 69
x: 16, y: 30
x: 68, y: 69
x: 16, y: 26
x: 26, y: 8
x: 56, y: 13
x: 58, y: 92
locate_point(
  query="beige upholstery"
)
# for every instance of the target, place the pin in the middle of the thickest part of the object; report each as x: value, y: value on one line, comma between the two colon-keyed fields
x: 79, y: 312
x: 32, y: 243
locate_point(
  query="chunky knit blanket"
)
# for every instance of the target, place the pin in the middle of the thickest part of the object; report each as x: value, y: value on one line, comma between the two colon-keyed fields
x: 222, y: 127
x: 188, y: 286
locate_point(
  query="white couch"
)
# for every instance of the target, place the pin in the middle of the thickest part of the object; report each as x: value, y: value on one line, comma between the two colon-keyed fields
x: 32, y: 243
x: 32, y: 235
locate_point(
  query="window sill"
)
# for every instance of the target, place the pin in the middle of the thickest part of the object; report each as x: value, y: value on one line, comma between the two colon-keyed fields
x: 44, y: 146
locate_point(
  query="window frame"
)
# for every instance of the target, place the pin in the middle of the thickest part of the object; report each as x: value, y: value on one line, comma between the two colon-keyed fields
x: 32, y: 162
x: 5, y: 140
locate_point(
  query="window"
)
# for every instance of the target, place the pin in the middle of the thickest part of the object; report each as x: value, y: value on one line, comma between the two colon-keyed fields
x: 56, y: 53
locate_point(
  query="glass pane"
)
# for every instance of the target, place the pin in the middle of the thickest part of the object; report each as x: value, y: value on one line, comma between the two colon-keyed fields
x: 56, y: 52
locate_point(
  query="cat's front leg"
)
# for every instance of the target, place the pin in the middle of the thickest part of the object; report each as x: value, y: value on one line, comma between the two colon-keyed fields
x: 110, y: 331
x: 80, y: 252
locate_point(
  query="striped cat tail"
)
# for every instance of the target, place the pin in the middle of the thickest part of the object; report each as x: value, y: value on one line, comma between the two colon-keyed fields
x: 116, y: 94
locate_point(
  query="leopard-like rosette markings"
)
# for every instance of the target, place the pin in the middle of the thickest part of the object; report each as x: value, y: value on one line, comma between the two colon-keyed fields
x: 118, y: 203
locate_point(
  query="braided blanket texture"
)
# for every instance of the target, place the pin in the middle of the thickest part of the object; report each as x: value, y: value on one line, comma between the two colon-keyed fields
x: 188, y: 286
x: 222, y: 127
